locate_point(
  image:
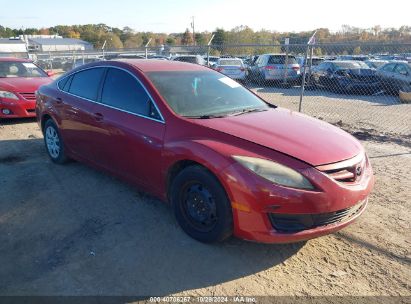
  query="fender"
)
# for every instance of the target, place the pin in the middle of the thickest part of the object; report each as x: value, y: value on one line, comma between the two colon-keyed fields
x: 213, y: 155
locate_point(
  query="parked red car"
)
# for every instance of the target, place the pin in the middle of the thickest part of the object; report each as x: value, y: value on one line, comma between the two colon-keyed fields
x: 227, y: 161
x: 19, y: 79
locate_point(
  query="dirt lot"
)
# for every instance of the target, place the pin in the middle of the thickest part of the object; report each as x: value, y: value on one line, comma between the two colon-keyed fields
x: 71, y: 230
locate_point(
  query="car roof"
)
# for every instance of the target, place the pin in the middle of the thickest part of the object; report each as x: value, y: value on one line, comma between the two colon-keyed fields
x: 277, y: 55
x: 14, y: 59
x: 343, y: 61
x: 153, y: 65
x: 231, y: 58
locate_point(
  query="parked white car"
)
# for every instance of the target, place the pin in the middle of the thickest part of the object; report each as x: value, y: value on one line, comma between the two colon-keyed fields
x: 232, y: 67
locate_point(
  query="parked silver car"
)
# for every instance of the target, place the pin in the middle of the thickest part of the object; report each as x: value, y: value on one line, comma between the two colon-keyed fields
x: 274, y: 67
x: 232, y: 67
x: 395, y: 77
x: 197, y: 59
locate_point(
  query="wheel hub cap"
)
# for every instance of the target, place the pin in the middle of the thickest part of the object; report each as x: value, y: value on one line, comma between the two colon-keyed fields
x: 53, y: 142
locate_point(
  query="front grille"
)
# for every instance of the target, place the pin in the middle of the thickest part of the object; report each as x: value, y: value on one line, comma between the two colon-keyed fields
x: 28, y: 96
x: 289, y: 223
x: 347, y: 171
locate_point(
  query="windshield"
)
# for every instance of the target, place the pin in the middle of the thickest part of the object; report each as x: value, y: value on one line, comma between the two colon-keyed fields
x: 199, y: 94
x: 317, y: 61
x: 11, y: 69
x: 187, y: 59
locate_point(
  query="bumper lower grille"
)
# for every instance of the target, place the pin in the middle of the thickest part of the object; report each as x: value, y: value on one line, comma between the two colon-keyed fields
x: 289, y: 223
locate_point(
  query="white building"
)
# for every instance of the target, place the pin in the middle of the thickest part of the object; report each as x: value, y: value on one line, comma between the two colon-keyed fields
x: 12, y: 45
x: 58, y: 44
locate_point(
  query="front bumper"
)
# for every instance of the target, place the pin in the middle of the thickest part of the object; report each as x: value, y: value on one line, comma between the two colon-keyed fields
x: 291, y: 75
x: 255, y: 199
x: 360, y: 87
x: 18, y: 108
x: 240, y: 76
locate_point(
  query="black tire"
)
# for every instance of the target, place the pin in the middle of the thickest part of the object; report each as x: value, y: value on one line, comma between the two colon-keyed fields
x: 51, y: 134
x: 201, y: 205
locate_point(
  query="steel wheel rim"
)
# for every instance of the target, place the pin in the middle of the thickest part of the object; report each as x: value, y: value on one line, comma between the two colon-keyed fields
x: 199, y: 206
x: 52, y: 142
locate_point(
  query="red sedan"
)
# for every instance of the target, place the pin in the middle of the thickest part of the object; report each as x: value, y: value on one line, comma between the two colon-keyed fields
x: 228, y: 162
x: 19, y: 79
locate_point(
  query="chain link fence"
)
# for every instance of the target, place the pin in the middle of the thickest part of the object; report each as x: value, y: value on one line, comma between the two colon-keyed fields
x: 365, y: 88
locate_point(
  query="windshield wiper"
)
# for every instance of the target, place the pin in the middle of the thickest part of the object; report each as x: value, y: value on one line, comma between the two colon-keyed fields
x: 244, y: 111
x: 207, y: 116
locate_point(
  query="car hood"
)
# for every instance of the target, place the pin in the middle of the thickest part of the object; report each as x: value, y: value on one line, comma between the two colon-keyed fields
x: 23, y: 84
x: 305, y: 138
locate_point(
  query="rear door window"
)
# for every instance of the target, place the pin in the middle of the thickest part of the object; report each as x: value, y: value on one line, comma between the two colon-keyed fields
x: 86, y: 83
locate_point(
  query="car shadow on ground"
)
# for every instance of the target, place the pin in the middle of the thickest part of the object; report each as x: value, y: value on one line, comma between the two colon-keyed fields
x: 377, y: 100
x: 5, y: 121
x: 72, y: 230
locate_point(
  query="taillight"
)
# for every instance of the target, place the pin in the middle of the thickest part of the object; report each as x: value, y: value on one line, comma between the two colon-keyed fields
x: 242, y: 69
x: 296, y: 68
x: 270, y: 67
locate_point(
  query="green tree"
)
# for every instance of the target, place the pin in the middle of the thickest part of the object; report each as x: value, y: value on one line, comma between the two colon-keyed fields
x: 113, y: 41
x: 357, y: 50
x: 133, y: 41
x: 200, y: 39
x: 171, y: 40
x: 220, y: 38
x: 187, y: 38
x: 317, y: 51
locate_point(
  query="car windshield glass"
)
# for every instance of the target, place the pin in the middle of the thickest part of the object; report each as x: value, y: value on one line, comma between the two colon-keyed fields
x: 11, y: 69
x: 230, y: 62
x: 200, y: 94
x: 350, y: 65
x: 187, y: 59
x: 281, y: 60
x: 317, y: 61
x: 376, y: 64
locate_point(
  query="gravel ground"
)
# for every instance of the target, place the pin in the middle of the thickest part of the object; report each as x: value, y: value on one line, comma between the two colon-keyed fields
x: 72, y: 230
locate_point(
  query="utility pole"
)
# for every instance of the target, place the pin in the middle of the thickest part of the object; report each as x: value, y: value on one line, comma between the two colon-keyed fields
x: 194, y: 34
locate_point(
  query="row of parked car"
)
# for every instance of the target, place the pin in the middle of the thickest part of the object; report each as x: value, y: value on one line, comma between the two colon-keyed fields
x: 343, y: 74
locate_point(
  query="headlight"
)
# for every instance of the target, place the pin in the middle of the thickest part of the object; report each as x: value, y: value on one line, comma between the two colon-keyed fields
x: 275, y: 172
x: 7, y: 94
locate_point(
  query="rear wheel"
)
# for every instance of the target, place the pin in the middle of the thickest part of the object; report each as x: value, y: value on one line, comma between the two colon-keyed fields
x: 201, y: 206
x: 54, y: 142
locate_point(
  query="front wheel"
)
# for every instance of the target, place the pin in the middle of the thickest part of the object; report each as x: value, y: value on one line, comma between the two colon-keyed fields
x: 201, y: 205
x: 54, y: 142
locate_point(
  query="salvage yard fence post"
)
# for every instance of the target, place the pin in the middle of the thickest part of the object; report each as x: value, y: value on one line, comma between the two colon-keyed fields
x: 309, y: 44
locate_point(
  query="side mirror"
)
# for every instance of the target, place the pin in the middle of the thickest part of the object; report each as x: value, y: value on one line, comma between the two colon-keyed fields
x: 50, y: 73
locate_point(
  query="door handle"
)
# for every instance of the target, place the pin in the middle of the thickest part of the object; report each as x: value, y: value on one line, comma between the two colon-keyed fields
x: 59, y: 100
x: 98, y: 116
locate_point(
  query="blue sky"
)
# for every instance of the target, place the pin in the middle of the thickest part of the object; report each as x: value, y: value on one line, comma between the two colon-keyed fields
x: 174, y: 16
